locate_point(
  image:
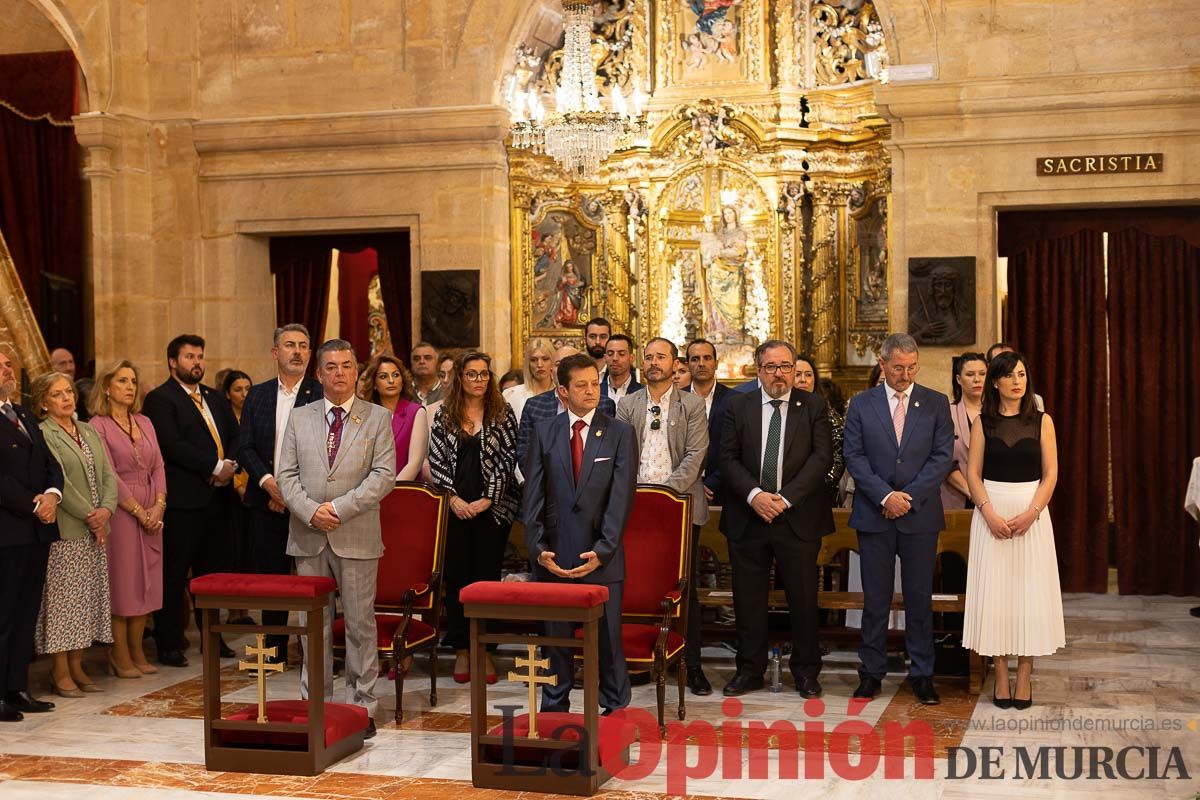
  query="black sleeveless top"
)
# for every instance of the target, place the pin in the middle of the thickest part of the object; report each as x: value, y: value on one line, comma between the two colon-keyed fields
x: 1012, y: 448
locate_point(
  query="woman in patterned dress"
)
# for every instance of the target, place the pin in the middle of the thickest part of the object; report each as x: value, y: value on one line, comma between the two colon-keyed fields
x: 135, y: 543
x: 75, y: 603
x: 473, y: 454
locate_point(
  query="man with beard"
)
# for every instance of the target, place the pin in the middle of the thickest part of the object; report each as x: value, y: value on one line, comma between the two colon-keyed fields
x: 197, y: 434
x: 265, y: 416
x: 31, y: 483
x: 776, y: 448
x: 595, y: 340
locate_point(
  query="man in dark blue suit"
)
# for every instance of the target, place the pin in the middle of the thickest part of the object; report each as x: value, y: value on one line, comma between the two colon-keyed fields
x: 31, y: 483
x: 549, y: 405
x: 264, y: 419
x: 579, y: 489
x: 702, y: 363
x: 620, y: 378
x: 898, y: 446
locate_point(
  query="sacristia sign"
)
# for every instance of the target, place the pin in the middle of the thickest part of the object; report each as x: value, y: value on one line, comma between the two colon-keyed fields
x: 1103, y: 164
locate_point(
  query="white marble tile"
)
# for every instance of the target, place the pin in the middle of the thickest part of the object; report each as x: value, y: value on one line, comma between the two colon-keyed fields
x: 48, y: 790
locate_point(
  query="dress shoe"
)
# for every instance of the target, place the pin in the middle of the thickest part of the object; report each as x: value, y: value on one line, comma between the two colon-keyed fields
x: 809, y: 687
x: 742, y: 682
x: 491, y: 678
x: 23, y: 701
x: 226, y: 651
x: 697, y: 682
x: 1021, y: 705
x: 923, y: 688
x: 131, y: 673
x: 172, y: 658
x: 462, y: 677
x: 64, y: 692
x: 369, y: 733
x: 145, y: 668
x: 868, y: 688
x: 240, y: 621
x: 89, y: 687
x: 1002, y: 702
x: 9, y: 714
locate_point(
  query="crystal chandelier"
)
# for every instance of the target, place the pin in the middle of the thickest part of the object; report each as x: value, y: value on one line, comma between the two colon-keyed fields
x: 580, y: 134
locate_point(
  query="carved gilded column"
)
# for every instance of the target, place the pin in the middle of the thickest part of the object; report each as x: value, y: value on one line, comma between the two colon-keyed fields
x: 823, y: 325
x: 20, y: 335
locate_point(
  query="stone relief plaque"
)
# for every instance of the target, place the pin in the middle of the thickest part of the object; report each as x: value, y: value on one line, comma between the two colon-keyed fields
x: 450, y: 307
x: 941, y: 300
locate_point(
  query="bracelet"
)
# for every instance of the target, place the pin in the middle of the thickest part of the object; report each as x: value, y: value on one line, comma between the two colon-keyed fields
x: 161, y: 502
x: 984, y: 503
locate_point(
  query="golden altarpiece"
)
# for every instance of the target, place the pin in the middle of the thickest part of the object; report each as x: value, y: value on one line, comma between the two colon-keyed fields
x: 756, y: 205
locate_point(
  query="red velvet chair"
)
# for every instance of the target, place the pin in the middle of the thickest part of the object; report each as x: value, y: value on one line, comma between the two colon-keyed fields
x: 409, y: 584
x: 658, y: 545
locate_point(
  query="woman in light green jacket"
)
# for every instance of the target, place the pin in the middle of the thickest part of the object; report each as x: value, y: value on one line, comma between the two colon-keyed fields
x: 75, y: 603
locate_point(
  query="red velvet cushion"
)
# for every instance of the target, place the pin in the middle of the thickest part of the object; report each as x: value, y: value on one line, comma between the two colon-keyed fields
x: 386, y: 626
x: 563, y: 595
x: 654, y: 543
x: 410, y: 518
x: 239, y: 585
x: 341, y: 720
x: 638, y: 641
x: 549, y: 723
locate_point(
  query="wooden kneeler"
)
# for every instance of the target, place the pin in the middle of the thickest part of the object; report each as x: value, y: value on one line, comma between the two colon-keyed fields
x: 279, y: 737
x: 551, y: 752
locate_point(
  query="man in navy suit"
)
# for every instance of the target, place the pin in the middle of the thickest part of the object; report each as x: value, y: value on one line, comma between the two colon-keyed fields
x: 260, y: 438
x: 579, y: 489
x: 619, y: 379
x: 549, y: 405
x: 702, y: 363
x: 898, y: 445
x: 198, y: 436
x: 31, y: 483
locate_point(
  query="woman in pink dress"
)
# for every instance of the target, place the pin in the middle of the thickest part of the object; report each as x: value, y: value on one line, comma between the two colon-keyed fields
x: 135, y: 543
x: 387, y: 382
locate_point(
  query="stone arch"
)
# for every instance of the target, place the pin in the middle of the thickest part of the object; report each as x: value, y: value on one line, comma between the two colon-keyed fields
x: 93, y: 59
x: 910, y: 30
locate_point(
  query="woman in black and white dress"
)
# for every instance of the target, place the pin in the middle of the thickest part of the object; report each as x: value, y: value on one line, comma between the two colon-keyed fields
x: 1014, y: 604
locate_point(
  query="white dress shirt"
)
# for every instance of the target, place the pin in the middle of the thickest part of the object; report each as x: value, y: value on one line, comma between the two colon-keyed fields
x: 571, y: 419
x: 768, y: 411
x: 708, y: 399
x: 285, y: 401
x: 617, y: 392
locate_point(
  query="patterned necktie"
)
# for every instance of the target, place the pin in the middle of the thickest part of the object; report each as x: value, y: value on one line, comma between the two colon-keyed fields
x: 898, y: 417
x: 770, y: 465
x: 334, y: 441
x: 199, y: 401
x: 11, y: 414
x: 577, y: 447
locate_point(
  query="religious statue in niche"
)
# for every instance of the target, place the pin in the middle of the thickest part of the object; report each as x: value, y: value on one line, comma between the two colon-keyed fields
x: 941, y: 300
x: 562, y: 251
x: 723, y: 253
x: 869, y: 250
x: 713, y: 37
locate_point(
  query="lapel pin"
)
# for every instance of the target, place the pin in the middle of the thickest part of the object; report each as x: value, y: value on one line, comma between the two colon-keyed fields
x: 598, y: 432
x: 917, y: 404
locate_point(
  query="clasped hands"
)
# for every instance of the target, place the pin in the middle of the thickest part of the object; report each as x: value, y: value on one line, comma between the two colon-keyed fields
x: 1010, y: 528
x: 464, y: 510
x: 222, y: 478
x: 325, y: 519
x: 768, y: 505
x: 275, y: 503
x: 897, y: 505
x: 97, y: 522
x: 591, y: 563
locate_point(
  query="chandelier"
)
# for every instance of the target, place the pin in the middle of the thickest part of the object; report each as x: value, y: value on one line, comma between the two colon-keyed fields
x: 579, y: 134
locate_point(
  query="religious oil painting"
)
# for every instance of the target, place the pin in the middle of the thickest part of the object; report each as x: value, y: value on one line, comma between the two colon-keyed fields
x: 710, y: 38
x: 562, y: 249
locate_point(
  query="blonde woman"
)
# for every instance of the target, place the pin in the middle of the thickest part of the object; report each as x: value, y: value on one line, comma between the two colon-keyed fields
x: 538, y: 369
x: 75, y: 603
x: 135, y: 543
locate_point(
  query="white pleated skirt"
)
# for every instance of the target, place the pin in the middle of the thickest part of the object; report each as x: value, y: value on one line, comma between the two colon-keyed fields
x: 1014, y: 604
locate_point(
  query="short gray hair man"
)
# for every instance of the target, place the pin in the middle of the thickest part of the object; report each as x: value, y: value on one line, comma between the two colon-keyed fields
x: 897, y: 342
x: 335, y: 346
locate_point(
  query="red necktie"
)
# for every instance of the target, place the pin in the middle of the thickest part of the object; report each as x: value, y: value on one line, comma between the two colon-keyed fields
x: 334, y: 442
x: 577, y: 447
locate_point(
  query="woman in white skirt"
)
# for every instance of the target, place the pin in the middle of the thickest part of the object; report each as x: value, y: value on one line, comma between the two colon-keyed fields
x: 1014, y: 605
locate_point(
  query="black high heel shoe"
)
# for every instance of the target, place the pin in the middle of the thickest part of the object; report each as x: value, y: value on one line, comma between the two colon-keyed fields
x: 1021, y: 705
x: 1002, y: 702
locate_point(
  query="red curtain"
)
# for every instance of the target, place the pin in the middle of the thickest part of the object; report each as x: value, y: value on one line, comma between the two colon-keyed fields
x: 301, y: 266
x: 1056, y: 318
x: 41, y: 188
x: 395, y: 283
x: 1154, y: 340
x: 355, y: 271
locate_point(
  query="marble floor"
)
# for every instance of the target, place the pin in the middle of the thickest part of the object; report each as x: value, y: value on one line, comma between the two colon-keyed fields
x: 1126, y: 681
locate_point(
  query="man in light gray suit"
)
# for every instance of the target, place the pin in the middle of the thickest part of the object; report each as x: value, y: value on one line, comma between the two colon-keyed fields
x: 672, y: 435
x: 338, y: 462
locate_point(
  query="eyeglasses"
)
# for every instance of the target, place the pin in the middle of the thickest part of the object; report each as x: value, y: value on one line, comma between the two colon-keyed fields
x: 897, y: 369
x: 656, y: 423
x: 477, y: 376
x: 771, y: 369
